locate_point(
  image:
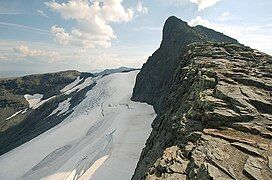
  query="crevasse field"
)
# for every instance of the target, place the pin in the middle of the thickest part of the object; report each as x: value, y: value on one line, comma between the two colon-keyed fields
x: 102, y: 138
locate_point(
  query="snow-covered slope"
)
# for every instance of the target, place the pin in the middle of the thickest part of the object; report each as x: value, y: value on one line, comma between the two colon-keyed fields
x: 101, y: 139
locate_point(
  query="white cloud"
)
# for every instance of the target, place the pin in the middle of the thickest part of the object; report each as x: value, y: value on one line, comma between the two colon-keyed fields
x: 111, y: 60
x: 226, y: 16
x: 140, y: 8
x: 25, y: 51
x: 41, y: 13
x: 3, y: 58
x: 114, y: 11
x: 93, y: 19
x: 61, y: 36
x: 203, y: 4
x: 199, y: 21
x: 68, y: 57
x: 254, y: 36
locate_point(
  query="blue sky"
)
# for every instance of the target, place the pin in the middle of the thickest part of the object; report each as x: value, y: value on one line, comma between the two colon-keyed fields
x: 87, y: 35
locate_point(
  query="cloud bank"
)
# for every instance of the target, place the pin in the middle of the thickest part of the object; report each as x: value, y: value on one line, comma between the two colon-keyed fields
x: 203, y: 4
x: 25, y: 51
x: 93, y: 21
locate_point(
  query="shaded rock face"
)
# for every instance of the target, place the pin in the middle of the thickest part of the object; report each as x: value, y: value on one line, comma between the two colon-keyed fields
x: 29, y: 122
x: 154, y: 79
x: 215, y: 120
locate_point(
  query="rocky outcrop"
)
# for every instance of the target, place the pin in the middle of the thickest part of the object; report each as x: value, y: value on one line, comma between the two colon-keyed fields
x: 155, y: 77
x: 215, y: 119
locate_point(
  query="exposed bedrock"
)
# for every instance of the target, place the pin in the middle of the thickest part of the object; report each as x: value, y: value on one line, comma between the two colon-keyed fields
x: 214, y: 107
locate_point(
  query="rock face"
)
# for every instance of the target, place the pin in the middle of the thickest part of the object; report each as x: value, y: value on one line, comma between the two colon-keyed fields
x: 214, y: 112
x: 154, y: 78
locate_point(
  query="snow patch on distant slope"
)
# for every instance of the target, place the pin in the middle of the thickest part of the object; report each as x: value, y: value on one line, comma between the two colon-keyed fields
x: 15, y: 114
x: 112, y: 71
x: 71, y: 85
x: 87, y: 82
x: 35, y: 100
x: 23, y: 112
x: 62, y: 108
x: 101, y: 139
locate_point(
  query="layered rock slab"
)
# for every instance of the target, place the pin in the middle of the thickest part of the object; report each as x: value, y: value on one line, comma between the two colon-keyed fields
x: 217, y: 117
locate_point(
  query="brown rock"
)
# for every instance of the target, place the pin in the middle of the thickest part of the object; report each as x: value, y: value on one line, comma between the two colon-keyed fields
x: 253, y: 168
x: 270, y: 162
x: 247, y: 149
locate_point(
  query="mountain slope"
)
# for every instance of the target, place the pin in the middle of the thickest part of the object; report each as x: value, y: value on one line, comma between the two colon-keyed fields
x: 156, y: 74
x: 102, y: 137
x: 26, y: 103
x: 214, y: 112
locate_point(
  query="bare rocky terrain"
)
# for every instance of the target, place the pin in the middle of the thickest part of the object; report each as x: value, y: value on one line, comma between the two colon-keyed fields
x: 214, y: 119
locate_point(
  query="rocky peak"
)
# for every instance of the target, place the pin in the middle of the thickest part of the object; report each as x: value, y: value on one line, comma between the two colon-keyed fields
x: 174, y: 29
x: 177, y: 34
x: 155, y: 76
x: 214, y: 114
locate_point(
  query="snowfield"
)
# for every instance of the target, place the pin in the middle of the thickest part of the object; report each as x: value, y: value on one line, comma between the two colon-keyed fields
x: 35, y: 100
x: 102, y: 139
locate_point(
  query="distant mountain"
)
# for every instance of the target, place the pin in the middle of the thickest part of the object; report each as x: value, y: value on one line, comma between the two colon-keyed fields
x: 213, y: 100
x: 112, y: 71
x: 26, y: 101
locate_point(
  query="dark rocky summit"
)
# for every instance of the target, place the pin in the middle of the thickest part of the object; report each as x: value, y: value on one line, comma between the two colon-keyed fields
x: 155, y: 77
x: 213, y: 97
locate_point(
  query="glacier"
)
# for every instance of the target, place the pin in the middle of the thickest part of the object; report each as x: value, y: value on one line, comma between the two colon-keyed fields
x: 101, y: 139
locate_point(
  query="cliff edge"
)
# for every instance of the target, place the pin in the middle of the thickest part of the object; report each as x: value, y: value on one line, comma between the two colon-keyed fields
x: 214, y: 105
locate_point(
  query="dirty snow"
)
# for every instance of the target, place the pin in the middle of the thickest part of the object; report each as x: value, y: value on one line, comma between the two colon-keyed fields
x: 71, y: 85
x: 62, y: 108
x: 35, y: 100
x: 79, y: 87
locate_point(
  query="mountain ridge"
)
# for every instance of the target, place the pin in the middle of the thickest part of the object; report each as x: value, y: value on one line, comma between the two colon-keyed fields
x: 176, y: 35
x: 212, y: 102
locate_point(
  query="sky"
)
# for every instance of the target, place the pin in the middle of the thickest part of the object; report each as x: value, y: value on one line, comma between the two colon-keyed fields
x: 90, y: 35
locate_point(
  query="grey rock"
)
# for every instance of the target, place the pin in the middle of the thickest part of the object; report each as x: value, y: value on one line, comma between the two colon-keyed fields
x: 220, y: 96
x: 253, y: 168
x: 247, y: 148
x: 270, y: 162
